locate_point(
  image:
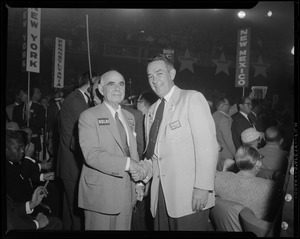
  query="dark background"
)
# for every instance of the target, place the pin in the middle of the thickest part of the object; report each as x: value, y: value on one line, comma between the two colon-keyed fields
x: 208, y: 30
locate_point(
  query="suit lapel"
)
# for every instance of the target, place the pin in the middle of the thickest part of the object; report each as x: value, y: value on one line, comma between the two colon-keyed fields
x: 169, y: 110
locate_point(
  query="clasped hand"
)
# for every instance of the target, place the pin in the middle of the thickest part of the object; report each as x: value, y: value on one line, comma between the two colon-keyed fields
x: 137, y: 171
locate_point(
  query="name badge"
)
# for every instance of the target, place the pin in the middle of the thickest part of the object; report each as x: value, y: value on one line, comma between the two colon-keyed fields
x: 103, y: 121
x: 175, y: 125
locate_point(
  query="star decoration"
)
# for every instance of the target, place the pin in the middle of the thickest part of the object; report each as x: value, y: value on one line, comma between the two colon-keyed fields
x: 260, y: 67
x: 222, y: 64
x: 187, y: 61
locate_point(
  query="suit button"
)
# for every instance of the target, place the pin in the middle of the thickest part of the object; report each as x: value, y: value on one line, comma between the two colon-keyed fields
x: 288, y: 197
x: 284, y: 225
x: 292, y: 170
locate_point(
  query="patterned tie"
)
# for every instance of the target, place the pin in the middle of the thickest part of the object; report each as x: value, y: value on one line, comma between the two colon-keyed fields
x: 154, y: 129
x: 123, y: 134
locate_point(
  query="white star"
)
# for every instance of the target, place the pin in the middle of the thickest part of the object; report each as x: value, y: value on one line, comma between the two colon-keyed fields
x: 187, y: 61
x: 222, y: 64
x: 260, y: 67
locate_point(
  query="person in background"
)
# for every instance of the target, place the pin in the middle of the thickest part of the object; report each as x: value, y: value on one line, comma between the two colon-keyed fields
x: 251, y: 137
x: 182, y: 152
x: 107, y: 139
x: 241, y: 121
x: 261, y: 195
x: 145, y: 100
x: 19, y: 188
x: 223, y: 128
x: 274, y: 157
x: 70, y: 158
x: 10, y: 108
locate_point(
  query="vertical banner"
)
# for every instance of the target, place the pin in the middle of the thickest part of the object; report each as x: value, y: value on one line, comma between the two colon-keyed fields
x: 169, y: 53
x: 242, y: 58
x: 31, y: 40
x: 59, y: 63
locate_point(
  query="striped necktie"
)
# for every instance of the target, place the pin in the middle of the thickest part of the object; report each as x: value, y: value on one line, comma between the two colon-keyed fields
x: 154, y: 129
x: 123, y: 135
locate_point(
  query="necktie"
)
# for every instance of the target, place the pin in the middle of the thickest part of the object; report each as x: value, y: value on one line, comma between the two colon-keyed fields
x: 123, y: 134
x: 154, y: 129
x: 89, y: 99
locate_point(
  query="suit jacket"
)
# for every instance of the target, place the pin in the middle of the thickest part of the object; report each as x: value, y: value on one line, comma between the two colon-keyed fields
x: 17, y: 218
x: 70, y: 158
x: 103, y: 177
x: 17, y: 186
x: 37, y: 117
x: 31, y: 170
x: 186, y: 152
x: 239, y: 124
x: 274, y: 158
x: 224, y: 136
x: 139, y: 128
x: 259, y: 194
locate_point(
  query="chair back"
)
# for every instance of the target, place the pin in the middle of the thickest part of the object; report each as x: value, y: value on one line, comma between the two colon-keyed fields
x: 224, y: 216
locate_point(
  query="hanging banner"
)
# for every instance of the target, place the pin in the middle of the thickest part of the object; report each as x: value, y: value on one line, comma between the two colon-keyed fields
x: 242, y: 58
x: 169, y: 53
x: 59, y: 63
x: 31, y: 40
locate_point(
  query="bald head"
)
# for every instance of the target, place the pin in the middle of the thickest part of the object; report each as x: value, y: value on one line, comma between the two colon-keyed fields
x: 273, y: 135
x: 112, y: 87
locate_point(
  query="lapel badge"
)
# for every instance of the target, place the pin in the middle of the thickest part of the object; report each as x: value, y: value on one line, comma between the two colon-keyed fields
x: 103, y: 121
x: 174, y: 125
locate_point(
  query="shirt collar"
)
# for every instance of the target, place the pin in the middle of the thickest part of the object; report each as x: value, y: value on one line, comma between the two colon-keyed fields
x: 245, y: 115
x: 168, y: 96
x: 112, y: 110
x: 84, y: 95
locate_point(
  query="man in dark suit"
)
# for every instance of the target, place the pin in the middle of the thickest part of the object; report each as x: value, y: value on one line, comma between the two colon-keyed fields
x: 35, y: 111
x: 70, y: 158
x: 19, y: 188
x: 241, y: 121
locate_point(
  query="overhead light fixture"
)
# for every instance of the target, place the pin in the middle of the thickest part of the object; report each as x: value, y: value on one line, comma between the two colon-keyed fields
x: 292, y: 51
x: 241, y: 14
x: 269, y: 14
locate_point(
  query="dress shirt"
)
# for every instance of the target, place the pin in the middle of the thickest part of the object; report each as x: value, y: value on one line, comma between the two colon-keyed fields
x: 120, y: 115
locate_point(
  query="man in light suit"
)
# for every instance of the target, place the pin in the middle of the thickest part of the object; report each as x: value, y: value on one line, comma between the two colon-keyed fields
x: 106, y: 191
x: 185, y: 153
x: 223, y: 128
x: 70, y: 158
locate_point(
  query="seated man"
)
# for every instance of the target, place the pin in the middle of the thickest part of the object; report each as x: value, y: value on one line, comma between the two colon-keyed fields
x: 18, y: 214
x: 18, y: 187
x: 259, y: 194
x: 274, y: 157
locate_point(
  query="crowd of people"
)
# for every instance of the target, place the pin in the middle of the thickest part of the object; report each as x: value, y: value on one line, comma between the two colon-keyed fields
x: 89, y: 161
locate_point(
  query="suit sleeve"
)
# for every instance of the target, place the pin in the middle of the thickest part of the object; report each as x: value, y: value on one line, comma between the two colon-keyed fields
x: 225, y: 127
x: 205, y: 141
x: 95, y: 154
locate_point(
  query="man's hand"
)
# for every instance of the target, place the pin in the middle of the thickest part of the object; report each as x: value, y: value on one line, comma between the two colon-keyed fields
x: 140, y: 191
x: 137, y: 171
x: 29, y: 150
x: 42, y: 220
x: 48, y: 176
x: 46, y: 165
x: 199, y: 199
x: 37, y: 196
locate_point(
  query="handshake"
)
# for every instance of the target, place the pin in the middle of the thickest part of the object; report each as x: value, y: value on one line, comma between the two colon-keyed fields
x: 137, y: 171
